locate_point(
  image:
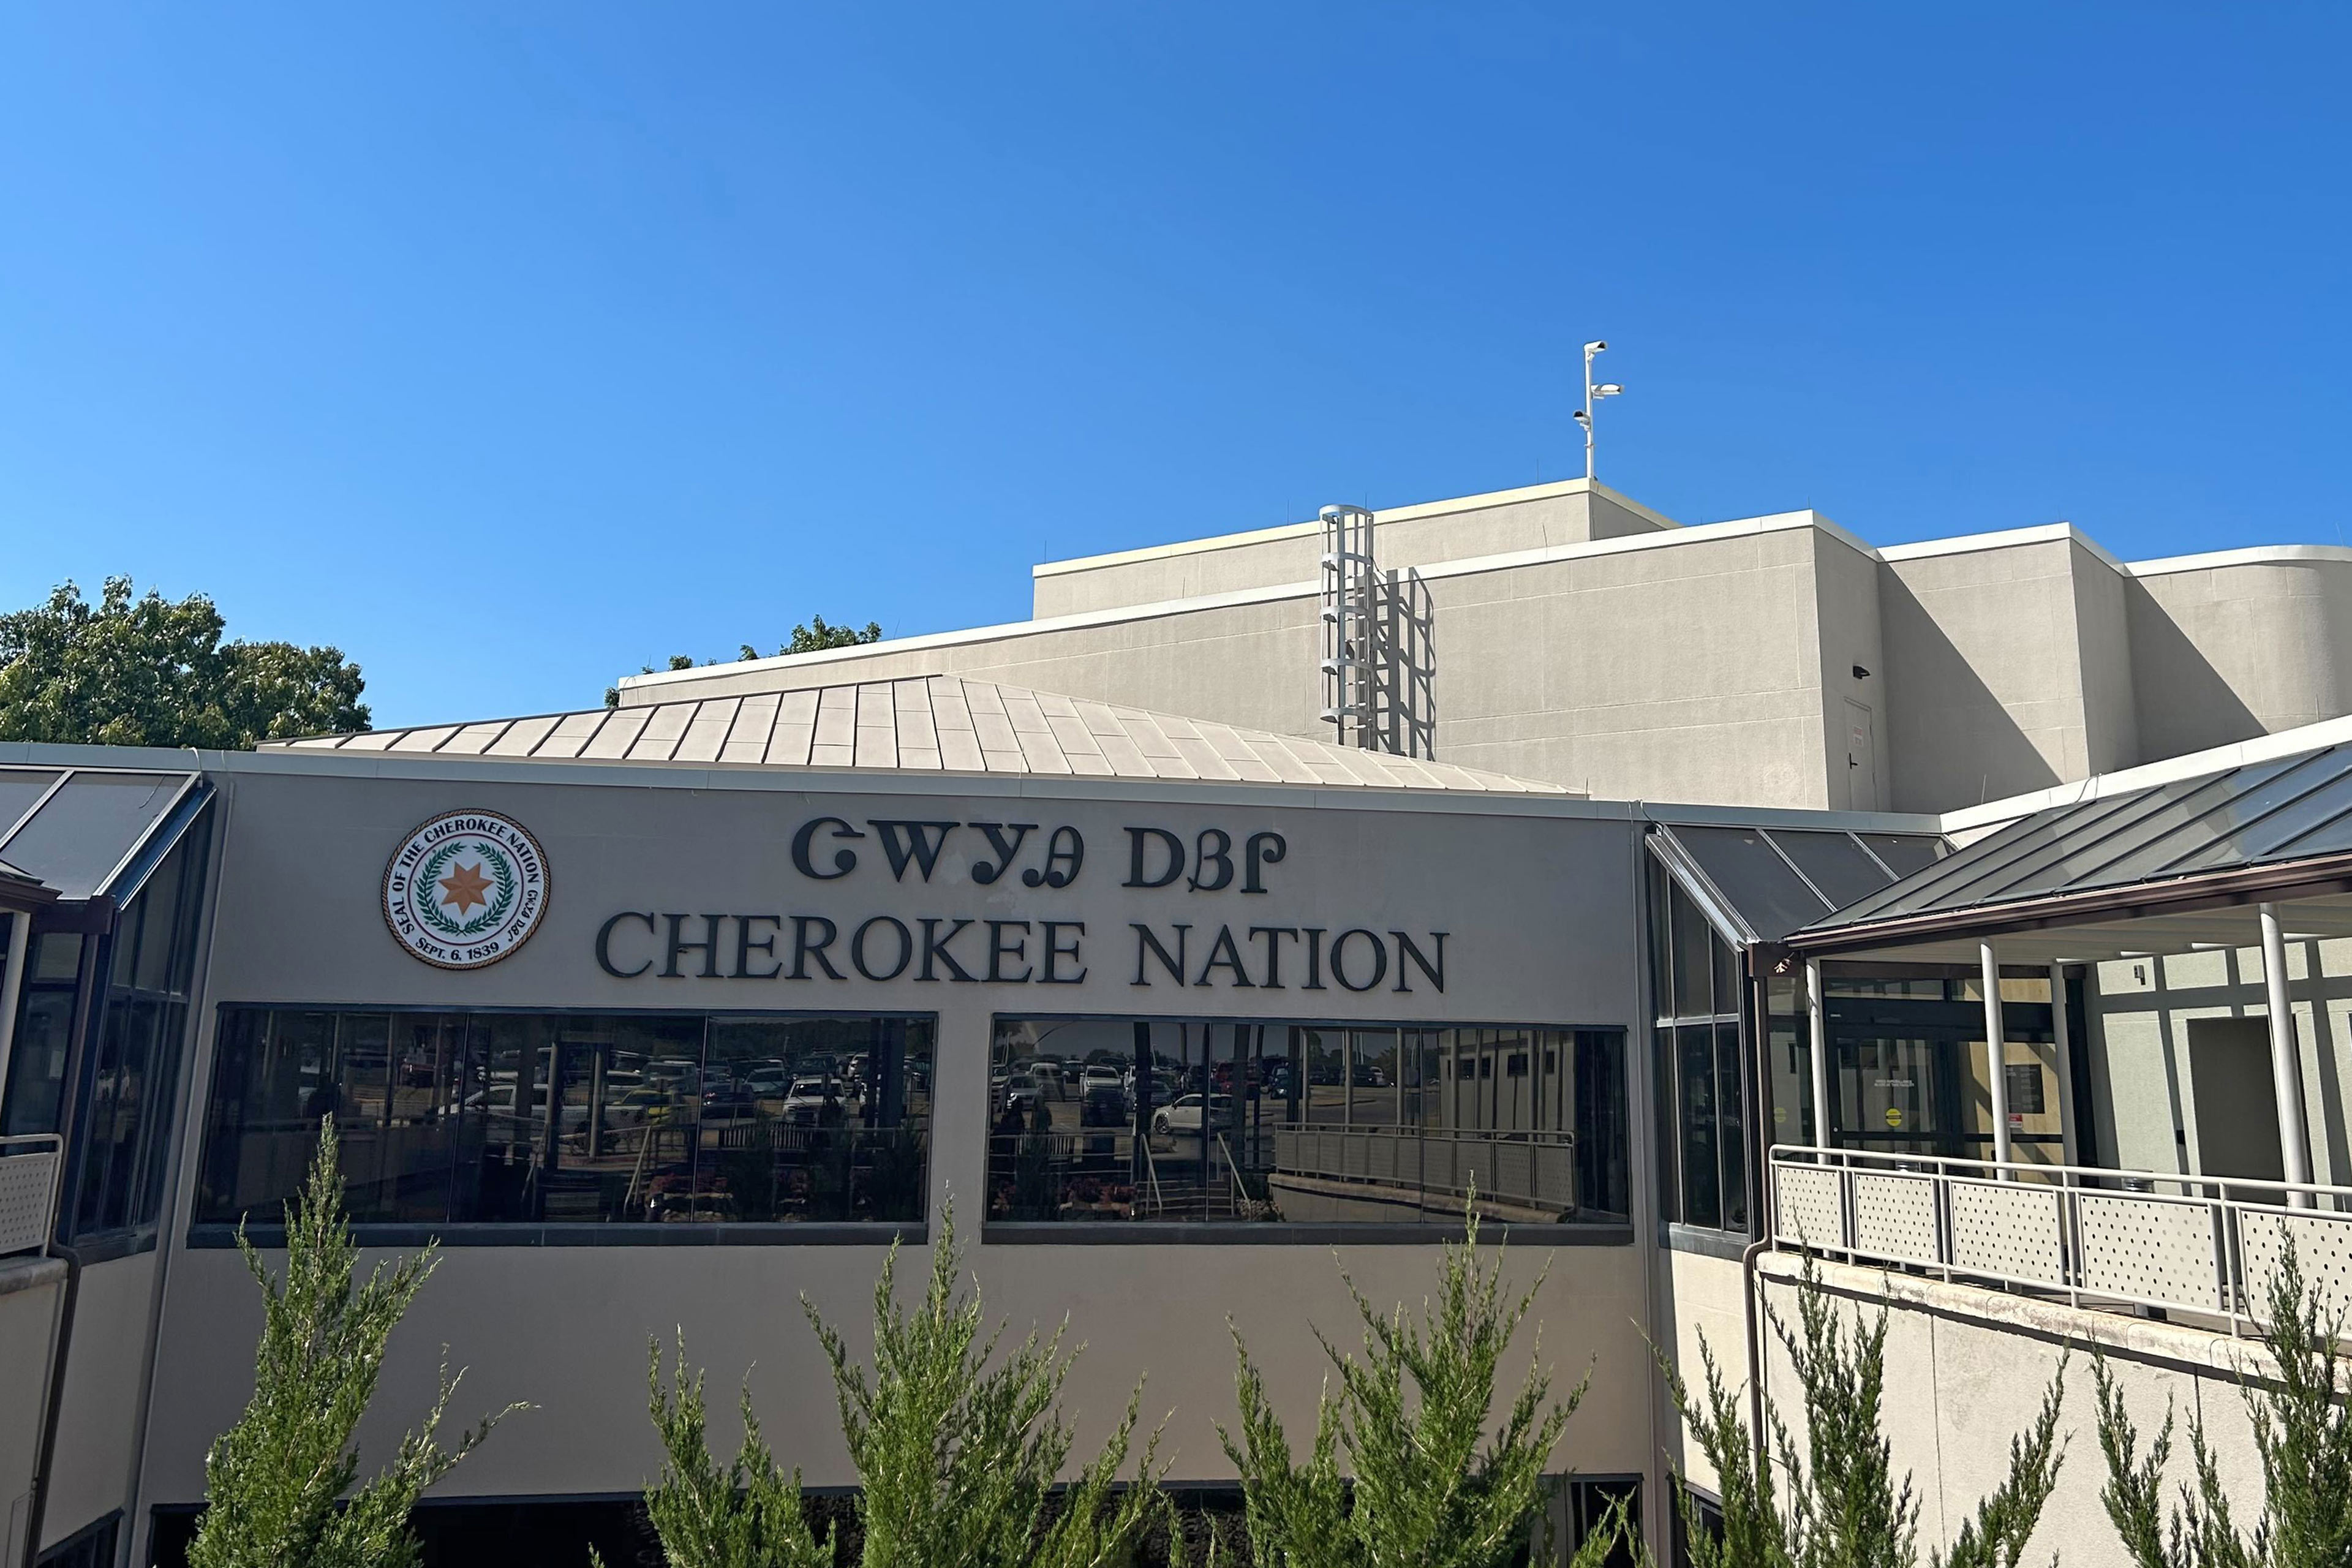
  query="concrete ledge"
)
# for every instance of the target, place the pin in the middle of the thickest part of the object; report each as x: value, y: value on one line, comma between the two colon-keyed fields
x: 29, y: 1273
x: 1212, y: 1233
x: 2084, y: 1328
x: 272, y: 1237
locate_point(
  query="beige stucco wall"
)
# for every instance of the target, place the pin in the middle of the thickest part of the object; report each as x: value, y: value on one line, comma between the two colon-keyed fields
x: 1985, y: 672
x: 1966, y: 1371
x: 566, y: 1329
x: 1580, y: 638
x: 1535, y: 517
x: 2241, y: 647
x: 1848, y: 636
x: 30, y: 1289
x: 98, y: 1417
x: 1689, y: 667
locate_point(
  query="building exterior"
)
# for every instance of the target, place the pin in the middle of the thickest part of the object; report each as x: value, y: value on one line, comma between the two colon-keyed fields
x: 664, y: 1015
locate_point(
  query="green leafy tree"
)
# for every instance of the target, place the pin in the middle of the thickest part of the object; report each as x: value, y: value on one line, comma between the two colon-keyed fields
x: 816, y: 636
x: 1424, y: 1485
x: 813, y: 638
x: 2302, y: 1429
x: 274, y: 1482
x: 747, y: 1514
x: 146, y: 671
x: 1835, y: 1501
x: 958, y: 1447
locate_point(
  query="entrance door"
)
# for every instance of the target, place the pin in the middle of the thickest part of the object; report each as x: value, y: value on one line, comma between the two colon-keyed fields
x: 1861, y: 760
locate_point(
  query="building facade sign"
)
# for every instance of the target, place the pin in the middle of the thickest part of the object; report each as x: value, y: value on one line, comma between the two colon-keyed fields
x: 972, y: 949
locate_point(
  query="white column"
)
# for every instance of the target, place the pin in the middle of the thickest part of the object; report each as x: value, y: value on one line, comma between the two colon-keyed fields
x: 1996, y: 1049
x: 1815, y: 1013
x: 2286, y: 1061
x: 12, y: 986
x: 2063, y: 1032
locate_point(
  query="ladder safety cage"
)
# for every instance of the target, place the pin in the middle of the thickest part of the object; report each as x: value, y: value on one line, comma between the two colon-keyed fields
x: 1354, y: 632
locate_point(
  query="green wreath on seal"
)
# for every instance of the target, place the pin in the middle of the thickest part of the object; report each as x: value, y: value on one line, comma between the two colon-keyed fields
x: 429, y: 912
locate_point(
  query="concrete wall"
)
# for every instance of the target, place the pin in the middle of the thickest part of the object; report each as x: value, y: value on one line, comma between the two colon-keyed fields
x: 1986, y: 669
x: 30, y: 1291
x: 1686, y: 667
x: 1690, y: 673
x: 1850, y: 636
x: 2241, y: 644
x: 1573, y: 511
x: 98, y: 1419
x: 1580, y: 638
x: 1966, y: 1371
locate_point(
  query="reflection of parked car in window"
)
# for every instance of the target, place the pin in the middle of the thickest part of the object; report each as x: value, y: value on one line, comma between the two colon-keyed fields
x: 1184, y: 1115
x: 1105, y: 1105
x: 1022, y: 1091
x: 637, y: 1106
x: 804, y: 1104
x: 734, y: 1100
x: 1101, y: 1073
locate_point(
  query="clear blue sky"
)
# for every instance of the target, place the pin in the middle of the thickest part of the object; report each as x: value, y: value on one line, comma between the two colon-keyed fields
x: 512, y: 347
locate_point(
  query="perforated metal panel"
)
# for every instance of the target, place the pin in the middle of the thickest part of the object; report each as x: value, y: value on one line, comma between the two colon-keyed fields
x: 2009, y: 1229
x: 2149, y: 1250
x: 1895, y: 1218
x: 1806, y: 1208
x: 2323, y: 1250
x: 26, y: 1181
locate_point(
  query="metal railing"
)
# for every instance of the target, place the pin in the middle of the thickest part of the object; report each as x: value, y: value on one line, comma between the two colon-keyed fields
x: 29, y: 1165
x: 2143, y: 1238
x: 1537, y: 1169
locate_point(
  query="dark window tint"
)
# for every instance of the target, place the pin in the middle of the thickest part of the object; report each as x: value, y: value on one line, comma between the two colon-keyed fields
x: 1835, y: 863
x: 1701, y: 1149
x: 573, y: 1118
x: 131, y: 1082
x: 1904, y: 852
x: 1120, y: 1119
x: 88, y: 826
x: 1749, y: 871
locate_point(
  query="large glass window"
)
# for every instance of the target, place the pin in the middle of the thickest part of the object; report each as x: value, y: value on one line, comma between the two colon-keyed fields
x: 1696, y: 1064
x: 1125, y: 1118
x: 34, y: 1097
x: 132, y: 1085
x: 555, y: 1117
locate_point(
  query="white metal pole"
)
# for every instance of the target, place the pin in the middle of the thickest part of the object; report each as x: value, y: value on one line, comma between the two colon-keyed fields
x: 2286, y: 1061
x: 2063, y: 1032
x: 1815, y: 1013
x: 12, y: 986
x: 1588, y: 414
x: 1996, y: 1050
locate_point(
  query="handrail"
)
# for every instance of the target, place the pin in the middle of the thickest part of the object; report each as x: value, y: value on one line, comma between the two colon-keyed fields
x: 1807, y: 1155
x: 29, y: 1190
x: 2213, y: 1245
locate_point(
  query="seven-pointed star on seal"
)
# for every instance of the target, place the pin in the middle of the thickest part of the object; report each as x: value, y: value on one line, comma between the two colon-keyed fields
x: 463, y: 887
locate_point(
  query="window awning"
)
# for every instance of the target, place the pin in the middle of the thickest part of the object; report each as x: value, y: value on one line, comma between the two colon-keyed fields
x: 2276, y: 829
x: 1761, y: 883
x: 76, y: 831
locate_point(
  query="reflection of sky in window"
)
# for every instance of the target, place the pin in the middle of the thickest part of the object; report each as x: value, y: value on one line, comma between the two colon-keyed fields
x: 87, y: 829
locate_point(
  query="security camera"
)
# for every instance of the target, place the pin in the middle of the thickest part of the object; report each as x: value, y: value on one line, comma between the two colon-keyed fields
x: 1582, y: 417
x: 1594, y: 347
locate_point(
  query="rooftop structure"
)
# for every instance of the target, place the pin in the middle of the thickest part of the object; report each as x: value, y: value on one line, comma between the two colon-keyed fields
x: 1576, y: 636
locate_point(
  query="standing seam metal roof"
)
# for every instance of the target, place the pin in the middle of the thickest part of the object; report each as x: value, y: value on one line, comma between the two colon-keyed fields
x: 2283, y: 809
x: 935, y: 723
